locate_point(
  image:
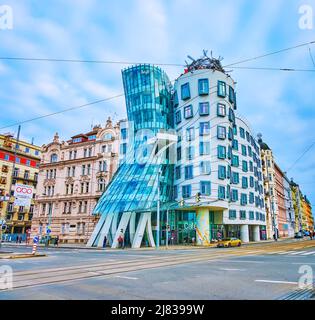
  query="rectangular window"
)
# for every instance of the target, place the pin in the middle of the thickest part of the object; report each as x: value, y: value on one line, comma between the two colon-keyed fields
x: 204, y: 128
x: 204, y: 108
x: 190, y: 153
x: 221, y: 89
x: 179, y: 153
x: 250, y: 152
x: 231, y: 116
x: 186, y: 191
x: 251, y: 198
x: 247, y: 136
x: 257, y: 215
x: 243, y: 199
x: 221, y: 110
x: 230, y: 134
x: 221, y: 132
x: 242, y: 133
x: 203, y: 86
x: 178, y: 173
x: 232, y: 214
x: 178, y: 117
x: 185, y: 91
x: 244, y: 182
x: 221, y: 172
x: 221, y: 193
x: 245, y: 166
x: 251, y: 182
x: 190, y: 134
x: 205, y: 188
x: 234, y: 195
x: 205, y: 167
x: 244, y: 151
x: 251, y: 215
x: 251, y: 167
x: 231, y: 95
x: 204, y: 148
x: 188, y: 112
x: 235, y: 178
x: 235, y: 145
x: 189, y: 172
x: 221, y: 152
x: 243, y: 215
x: 235, y: 161
x: 175, y: 99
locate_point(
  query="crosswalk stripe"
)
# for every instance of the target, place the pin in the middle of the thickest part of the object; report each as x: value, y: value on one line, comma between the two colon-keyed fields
x: 296, y: 253
x: 277, y: 252
x: 286, y: 252
x: 308, y: 253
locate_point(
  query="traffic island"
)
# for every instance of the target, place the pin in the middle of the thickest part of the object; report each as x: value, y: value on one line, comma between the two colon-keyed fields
x: 22, y: 256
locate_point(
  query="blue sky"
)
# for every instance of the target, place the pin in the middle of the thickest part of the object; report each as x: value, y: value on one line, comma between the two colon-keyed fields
x: 277, y: 104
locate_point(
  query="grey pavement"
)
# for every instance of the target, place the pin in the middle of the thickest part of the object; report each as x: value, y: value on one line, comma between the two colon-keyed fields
x: 269, y: 275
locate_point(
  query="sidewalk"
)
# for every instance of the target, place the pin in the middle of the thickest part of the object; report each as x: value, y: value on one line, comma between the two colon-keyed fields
x: 170, y: 247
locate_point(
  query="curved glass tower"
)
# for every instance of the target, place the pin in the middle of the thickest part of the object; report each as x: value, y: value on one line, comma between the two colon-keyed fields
x: 127, y: 204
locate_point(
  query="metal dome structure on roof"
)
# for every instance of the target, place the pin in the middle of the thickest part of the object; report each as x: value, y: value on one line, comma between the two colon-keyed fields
x: 205, y: 62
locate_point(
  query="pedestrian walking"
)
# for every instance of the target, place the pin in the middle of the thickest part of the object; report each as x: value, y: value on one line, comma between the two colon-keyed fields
x: 20, y: 239
x: 121, y: 241
x: 57, y: 241
x: 311, y: 235
x: 105, y: 242
x: 17, y: 239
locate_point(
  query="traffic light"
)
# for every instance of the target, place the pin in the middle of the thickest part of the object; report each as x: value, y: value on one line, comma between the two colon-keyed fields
x: 198, y: 195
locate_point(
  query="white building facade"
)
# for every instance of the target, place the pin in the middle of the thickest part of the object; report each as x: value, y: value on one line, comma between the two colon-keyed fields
x: 218, y: 168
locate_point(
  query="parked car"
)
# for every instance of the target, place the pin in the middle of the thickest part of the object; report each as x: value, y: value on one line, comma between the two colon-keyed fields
x: 298, y: 235
x: 229, y: 242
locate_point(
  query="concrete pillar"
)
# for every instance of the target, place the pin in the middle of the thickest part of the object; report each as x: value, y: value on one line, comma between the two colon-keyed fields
x: 256, y: 233
x: 244, y: 233
x: 202, y: 227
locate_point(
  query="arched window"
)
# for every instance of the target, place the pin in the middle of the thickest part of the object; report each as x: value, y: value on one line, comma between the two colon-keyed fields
x: 108, y: 136
x: 53, y: 158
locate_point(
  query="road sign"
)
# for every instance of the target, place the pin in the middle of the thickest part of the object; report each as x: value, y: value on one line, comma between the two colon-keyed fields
x: 36, y: 239
x: 48, y: 229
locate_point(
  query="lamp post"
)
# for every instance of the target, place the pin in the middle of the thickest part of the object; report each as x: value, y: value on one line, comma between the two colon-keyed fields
x: 158, y: 212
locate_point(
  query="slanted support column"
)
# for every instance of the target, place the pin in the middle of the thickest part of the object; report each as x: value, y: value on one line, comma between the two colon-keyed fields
x: 256, y: 233
x: 202, y: 227
x: 244, y: 233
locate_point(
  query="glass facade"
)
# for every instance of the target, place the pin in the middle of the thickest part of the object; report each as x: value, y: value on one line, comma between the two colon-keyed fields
x: 134, y: 187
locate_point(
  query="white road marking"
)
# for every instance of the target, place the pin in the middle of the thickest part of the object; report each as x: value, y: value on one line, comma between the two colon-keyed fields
x: 125, y: 277
x: 237, y: 261
x: 276, y: 281
x: 277, y: 252
x: 227, y: 269
x: 286, y: 252
x: 301, y: 263
x: 297, y: 252
x: 308, y: 253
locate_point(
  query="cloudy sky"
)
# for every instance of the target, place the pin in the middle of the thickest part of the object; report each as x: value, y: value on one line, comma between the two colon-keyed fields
x: 280, y: 105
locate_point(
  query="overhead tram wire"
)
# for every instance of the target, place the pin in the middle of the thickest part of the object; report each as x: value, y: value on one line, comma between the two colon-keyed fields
x: 158, y: 64
x: 269, y: 54
x: 62, y: 111
x: 301, y: 156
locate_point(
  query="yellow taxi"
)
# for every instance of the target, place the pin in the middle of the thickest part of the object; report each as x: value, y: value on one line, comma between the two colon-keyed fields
x: 229, y: 242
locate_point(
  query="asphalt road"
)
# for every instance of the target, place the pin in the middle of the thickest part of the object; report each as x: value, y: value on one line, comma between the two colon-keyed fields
x: 265, y: 271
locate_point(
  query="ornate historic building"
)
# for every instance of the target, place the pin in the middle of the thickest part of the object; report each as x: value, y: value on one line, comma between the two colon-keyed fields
x: 72, y: 177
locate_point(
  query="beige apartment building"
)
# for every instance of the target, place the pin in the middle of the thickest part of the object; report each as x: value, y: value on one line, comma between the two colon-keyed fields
x: 72, y: 177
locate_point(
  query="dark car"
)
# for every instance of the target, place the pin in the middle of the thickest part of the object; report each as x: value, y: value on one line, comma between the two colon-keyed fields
x: 298, y: 235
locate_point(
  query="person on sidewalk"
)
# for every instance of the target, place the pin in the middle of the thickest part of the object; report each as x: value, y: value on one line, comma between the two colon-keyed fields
x: 121, y: 241
x: 57, y: 241
x: 105, y: 242
x: 311, y: 235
